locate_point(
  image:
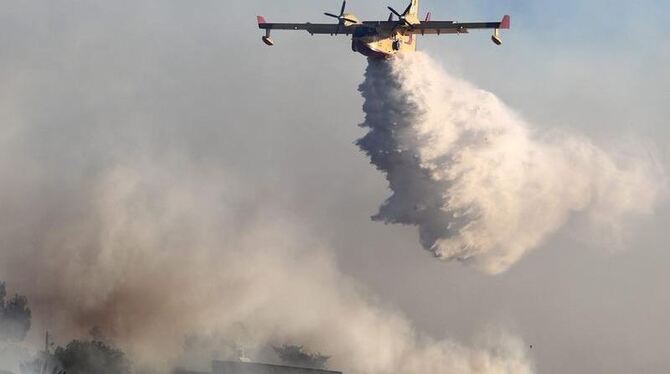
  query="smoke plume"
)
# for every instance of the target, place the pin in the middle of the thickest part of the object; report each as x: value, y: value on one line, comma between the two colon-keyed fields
x: 153, y: 254
x: 109, y: 219
x: 481, y: 186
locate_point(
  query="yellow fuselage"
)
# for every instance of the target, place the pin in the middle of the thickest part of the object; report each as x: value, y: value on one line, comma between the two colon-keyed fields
x: 373, y: 44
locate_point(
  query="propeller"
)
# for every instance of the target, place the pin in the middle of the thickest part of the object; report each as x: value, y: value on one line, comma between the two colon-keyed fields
x: 401, y: 17
x: 341, y: 18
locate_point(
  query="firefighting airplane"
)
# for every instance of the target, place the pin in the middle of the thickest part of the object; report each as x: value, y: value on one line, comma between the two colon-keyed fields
x: 383, y: 39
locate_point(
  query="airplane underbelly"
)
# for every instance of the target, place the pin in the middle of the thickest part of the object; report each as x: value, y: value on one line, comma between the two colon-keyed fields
x: 367, y: 49
x: 384, y: 47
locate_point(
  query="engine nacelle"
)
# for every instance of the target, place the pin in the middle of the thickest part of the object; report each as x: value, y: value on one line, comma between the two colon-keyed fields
x: 267, y: 40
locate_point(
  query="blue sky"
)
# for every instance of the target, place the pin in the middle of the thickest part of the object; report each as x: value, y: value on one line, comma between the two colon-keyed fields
x: 593, y: 41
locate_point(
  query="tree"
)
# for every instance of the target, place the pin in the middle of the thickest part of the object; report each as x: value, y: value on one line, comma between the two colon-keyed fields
x: 295, y: 355
x: 92, y: 357
x: 15, y: 316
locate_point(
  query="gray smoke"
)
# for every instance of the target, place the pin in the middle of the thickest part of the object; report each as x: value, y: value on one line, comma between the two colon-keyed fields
x: 479, y: 183
x: 154, y: 255
x: 109, y: 219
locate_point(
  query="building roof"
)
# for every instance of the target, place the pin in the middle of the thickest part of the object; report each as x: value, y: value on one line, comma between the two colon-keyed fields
x: 235, y: 367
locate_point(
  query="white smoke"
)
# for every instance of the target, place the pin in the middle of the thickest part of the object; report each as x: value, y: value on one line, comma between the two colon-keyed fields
x: 12, y: 355
x: 479, y: 183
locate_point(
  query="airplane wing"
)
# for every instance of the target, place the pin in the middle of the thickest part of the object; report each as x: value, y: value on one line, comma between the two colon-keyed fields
x: 312, y: 28
x: 451, y: 27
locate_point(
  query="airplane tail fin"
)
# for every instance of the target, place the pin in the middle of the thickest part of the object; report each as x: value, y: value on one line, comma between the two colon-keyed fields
x: 505, y: 23
x: 414, y: 10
